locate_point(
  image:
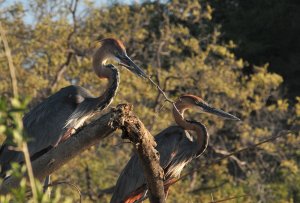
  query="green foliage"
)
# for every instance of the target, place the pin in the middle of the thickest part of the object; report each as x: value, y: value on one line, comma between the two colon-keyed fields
x: 11, y: 124
x: 179, y: 45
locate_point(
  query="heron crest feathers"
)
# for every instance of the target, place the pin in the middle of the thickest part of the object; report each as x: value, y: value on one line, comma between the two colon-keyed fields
x: 110, y: 42
x: 192, y: 97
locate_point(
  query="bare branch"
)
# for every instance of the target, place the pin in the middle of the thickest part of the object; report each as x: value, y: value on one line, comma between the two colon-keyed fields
x: 228, y: 198
x: 61, y: 71
x: 66, y: 183
x: 109, y: 190
x: 209, y: 188
x: 11, y: 66
x: 29, y: 170
x: 63, y: 67
x: 120, y: 117
x: 88, y: 183
x: 160, y: 90
x: 283, y: 133
x: 64, y: 152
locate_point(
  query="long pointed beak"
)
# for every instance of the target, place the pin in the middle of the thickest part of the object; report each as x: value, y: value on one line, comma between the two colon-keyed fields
x: 218, y: 112
x: 130, y: 65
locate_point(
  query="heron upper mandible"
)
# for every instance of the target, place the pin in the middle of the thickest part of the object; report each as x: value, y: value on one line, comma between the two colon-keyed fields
x: 175, y: 146
x: 56, y: 118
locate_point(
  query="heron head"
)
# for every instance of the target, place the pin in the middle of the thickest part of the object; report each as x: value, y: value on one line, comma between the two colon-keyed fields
x: 115, y: 49
x: 192, y: 101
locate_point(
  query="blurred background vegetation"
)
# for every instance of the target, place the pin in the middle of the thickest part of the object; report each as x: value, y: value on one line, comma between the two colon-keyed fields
x: 241, y: 56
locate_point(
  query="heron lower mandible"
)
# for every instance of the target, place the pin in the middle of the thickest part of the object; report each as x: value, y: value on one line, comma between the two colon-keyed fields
x: 56, y: 119
x: 175, y: 146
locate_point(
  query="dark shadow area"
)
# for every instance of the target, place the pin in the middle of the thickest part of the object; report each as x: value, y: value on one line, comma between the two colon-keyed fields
x: 266, y: 31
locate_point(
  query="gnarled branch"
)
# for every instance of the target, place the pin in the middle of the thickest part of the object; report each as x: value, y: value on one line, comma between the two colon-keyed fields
x: 144, y: 144
x: 64, y: 152
x: 120, y: 117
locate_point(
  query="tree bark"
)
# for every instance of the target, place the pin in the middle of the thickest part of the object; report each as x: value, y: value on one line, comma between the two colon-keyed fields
x: 144, y: 144
x: 120, y: 117
x: 64, y: 152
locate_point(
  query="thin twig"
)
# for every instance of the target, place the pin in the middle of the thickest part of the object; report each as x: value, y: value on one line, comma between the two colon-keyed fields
x: 158, y: 71
x: 109, y: 190
x: 30, y: 171
x: 232, y: 153
x: 166, y: 97
x: 88, y: 182
x: 209, y: 188
x: 160, y: 90
x: 63, y: 67
x: 67, y: 183
x: 61, y: 71
x: 11, y: 66
x: 229, y: 198
x: 55, y: 158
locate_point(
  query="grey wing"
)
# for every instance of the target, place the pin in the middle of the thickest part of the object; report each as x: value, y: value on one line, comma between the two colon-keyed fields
x: 44, y: 124
x: 132, y: 176
x: 176, y: 148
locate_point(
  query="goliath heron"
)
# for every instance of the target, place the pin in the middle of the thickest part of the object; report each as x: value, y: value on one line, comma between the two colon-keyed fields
x: 57, y: 118
x: 175, y: 146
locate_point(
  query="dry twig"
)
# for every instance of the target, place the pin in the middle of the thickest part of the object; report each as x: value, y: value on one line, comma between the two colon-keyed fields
x: 11, y: 66
x: 55, y: 183
x: 63, y: 67
x: 229, y: 198
x: 232, y: 153
x: 120, y: 117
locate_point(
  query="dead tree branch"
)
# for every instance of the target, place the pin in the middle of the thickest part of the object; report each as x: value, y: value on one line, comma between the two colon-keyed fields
x: 120, y: 117
x: 144, y: 144
x: 72, y: 8
x: 64, y: 152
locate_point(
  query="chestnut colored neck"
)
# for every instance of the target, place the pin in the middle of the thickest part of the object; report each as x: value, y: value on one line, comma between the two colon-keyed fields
x: 106, y: 71
x: 198, y: 128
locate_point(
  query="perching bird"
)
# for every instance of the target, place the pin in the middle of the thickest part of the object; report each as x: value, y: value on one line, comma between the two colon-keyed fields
x: 175, y: 146
x: 56, y: 118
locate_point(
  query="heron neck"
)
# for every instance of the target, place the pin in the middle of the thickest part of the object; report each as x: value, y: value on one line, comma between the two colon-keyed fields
x: 99, y: 59
x: 198, y: 128
x: 110, y: 73
x: 113, y: 83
